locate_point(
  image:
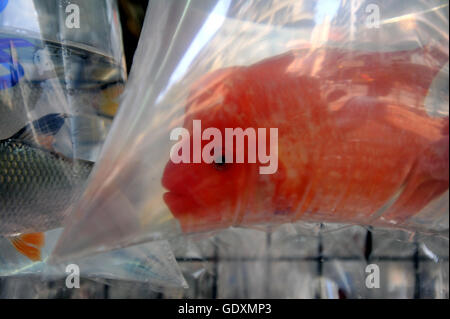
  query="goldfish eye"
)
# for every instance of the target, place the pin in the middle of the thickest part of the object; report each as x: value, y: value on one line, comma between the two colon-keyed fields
x: 220, y: 164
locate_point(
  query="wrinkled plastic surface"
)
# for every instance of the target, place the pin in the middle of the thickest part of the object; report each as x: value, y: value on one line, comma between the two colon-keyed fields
x: 57, y: 79
x: 151, y: 263
x: 327, y: 261
x: 58, y: 87
x: 360, y: 104
x: 61, y: 83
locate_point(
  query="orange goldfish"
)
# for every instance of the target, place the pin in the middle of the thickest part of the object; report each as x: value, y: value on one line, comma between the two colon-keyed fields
x: 355, y: 143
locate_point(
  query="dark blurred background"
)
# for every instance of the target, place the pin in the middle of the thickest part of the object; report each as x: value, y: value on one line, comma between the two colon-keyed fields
x: 132, y: 14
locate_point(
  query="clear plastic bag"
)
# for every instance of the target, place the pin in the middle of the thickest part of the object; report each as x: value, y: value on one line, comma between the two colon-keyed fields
x: 151, y: 263
x: 357, y: 95
x: 59, y: 84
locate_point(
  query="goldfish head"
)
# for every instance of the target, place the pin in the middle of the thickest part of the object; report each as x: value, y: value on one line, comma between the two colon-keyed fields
x: 205, y: 196
x: 208, y: 195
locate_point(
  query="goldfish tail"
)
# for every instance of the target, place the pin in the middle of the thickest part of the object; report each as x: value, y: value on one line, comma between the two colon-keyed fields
x: 29, y: 245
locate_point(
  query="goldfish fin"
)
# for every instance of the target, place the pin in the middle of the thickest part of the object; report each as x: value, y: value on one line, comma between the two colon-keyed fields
x: 429, y: 178
x: 29, y: 245
x: 416, y: 196
x: 41, y: 131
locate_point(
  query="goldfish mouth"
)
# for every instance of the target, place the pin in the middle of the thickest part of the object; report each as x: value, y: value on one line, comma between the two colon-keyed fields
x: 183, y: 208
x: 192, y: 216
x: 179, y: 204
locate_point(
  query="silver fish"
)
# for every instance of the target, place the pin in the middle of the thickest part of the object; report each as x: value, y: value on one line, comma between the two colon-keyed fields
x: 37, y: 185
